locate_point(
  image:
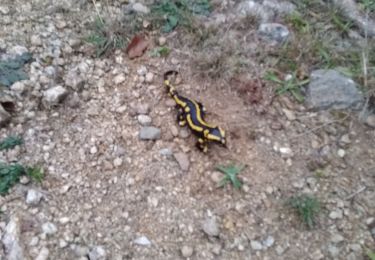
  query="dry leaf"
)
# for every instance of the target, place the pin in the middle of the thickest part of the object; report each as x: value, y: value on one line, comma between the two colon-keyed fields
x: 137, y: 46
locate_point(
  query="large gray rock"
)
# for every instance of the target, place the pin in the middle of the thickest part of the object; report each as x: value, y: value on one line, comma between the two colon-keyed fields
x: 330, y: 89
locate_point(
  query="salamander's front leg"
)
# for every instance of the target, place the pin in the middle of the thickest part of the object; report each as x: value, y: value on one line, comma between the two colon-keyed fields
x: 202, y: 109
x: 181, y: 118
x: 202, y: 145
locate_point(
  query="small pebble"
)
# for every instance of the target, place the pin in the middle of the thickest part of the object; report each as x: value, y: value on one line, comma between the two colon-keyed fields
x: 341, y: 153
x: 289, y: 114
x: 337, y: 214
x: 144, y: 120
x: 43, y: 254
x: 184, y: 133
x: 370, y: 121
x: 210, y: 227
x: 149, y: 77
x: 33, y: 197
x: 337, y: 238
x: 174, y: 130
x: 49, y: 228
x: 187, y: 251
x: 143, y: 109
x: 285, y: 150
x: 182, y: 160
x: 166, y: 152
x: 256, y: 245
x: 97, y: 253
x: 93, y: 150
x: 119, y: 79
x: 117, y: 162
x: 162, y: 41
x: 269, y: 241
x: 149, y: 133
x: 142, y: 71
x: 142, y: 241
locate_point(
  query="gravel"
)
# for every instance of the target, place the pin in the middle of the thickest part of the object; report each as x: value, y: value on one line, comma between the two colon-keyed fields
x: 104, y: 187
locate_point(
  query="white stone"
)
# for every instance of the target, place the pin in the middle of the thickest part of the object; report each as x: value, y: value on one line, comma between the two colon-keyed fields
x: 142, y: 241
x: 119, y: 79
x: 117, y: 162
x: 187, y: 251
x: 341, y: 153
x: 49, y: 228
x: 140, y: 8
x: 149, y: 77
x: 144, y: 120
x: 54, y: 96
x: 256, y: 245
x: 43, y: 254
x: 33, y: 197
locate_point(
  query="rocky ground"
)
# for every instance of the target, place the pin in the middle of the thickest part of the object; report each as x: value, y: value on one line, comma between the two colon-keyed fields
x: 123, y: 181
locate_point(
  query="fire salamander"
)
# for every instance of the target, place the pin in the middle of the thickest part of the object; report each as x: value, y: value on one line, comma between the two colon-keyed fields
x: 192, y: 113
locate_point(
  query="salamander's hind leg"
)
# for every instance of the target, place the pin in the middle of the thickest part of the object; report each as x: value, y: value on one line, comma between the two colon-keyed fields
x: 202, y: 145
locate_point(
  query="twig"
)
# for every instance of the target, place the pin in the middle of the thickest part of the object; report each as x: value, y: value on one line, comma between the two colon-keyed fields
x: 319, y: 127
x: 355, y: 193
x: 364, y: 62
x: 97, y: 11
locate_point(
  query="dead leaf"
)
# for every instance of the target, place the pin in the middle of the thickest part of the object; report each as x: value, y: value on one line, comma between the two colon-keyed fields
x: 137, y: 46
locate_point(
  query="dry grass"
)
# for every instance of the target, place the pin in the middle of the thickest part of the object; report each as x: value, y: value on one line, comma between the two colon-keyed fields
x: 222, y: 52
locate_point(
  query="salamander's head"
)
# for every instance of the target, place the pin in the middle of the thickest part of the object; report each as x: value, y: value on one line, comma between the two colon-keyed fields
x: 216, y: 134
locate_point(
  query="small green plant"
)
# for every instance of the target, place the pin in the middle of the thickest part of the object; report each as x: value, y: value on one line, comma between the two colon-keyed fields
x: 292, y: 85
x: 230, y: 173
x: 178, y: 12
x: 307, y: 208
x: 35, y: 173
x: 340, y: 22
x: 320, y: 174
x: 368, y: 5
x: 10, y: 174
x: 370, y: 254
x: 160, y: 52
x: 299, y: 23
x: 10, y: 142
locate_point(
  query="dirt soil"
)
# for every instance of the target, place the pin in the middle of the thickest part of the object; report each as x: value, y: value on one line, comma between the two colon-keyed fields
x: 105, y: 188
